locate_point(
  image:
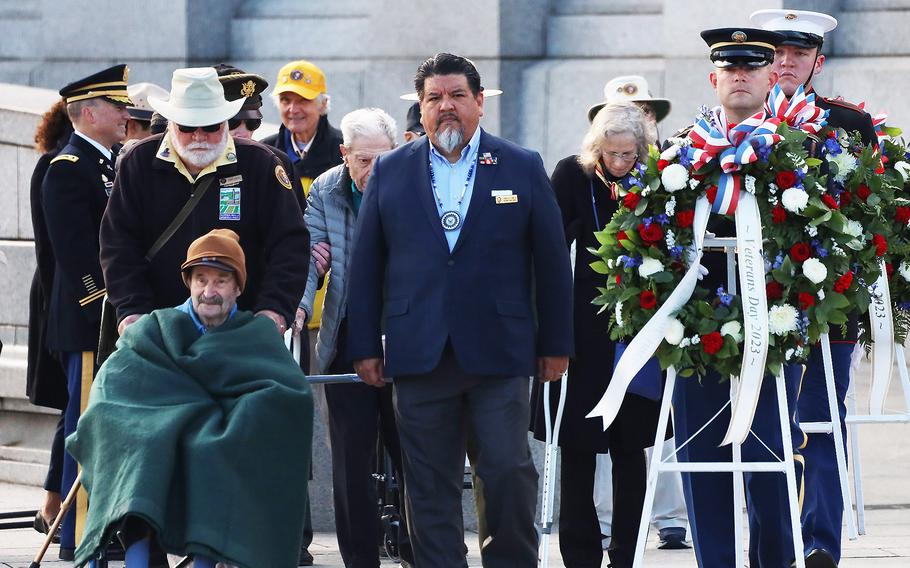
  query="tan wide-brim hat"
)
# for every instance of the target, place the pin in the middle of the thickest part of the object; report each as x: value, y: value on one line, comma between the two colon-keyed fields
x: 631, y: 88
x: 196, y: 99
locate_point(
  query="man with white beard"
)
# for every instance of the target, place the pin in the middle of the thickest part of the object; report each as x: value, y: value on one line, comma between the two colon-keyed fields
x: 183, y: 183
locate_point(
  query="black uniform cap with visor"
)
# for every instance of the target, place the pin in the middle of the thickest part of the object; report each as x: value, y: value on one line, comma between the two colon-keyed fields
x: 741, y: 47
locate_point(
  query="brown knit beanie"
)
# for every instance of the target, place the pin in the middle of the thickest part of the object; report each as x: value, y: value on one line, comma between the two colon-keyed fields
x: 219, y: 248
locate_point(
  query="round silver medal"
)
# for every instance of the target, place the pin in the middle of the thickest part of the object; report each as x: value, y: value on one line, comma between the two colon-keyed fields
x: 451, y: 220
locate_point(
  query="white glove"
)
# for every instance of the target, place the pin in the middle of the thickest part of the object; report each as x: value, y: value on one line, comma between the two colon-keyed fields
x: 691, y: 257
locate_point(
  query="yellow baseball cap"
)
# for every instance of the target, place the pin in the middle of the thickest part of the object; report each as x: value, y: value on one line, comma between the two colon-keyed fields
x: 300, y: 77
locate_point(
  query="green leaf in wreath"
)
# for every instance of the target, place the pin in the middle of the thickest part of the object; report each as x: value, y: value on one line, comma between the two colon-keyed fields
x: 600, y: 267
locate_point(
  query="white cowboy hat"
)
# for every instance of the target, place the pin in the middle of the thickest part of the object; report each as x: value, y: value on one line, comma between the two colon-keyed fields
x: 630, y: 88
x: 196, y: 99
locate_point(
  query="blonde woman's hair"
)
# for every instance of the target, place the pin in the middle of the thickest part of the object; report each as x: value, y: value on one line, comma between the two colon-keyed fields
x: 616, y: 119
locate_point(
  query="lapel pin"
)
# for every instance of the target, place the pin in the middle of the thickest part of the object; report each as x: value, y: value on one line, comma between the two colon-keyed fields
x: 488, y: 159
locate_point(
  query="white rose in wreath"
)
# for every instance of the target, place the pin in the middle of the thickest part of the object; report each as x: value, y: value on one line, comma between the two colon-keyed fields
x: 782, y: 319
x: 854, y: 228
x: 649, y: 266
x: 675, y: 332
x: 794, y: 199
x: 674, y: 177
x: 734, y: 329
x: 815, y: 270
x: 845, y: 163
x: 904, y: 270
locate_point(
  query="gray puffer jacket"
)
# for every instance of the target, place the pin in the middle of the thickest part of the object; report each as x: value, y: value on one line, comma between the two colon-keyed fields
x: 330, y: 218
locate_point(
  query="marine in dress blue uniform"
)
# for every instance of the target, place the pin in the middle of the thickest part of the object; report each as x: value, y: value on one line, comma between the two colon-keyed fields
x: 75, y: 191
x: 822, y: 512
x: 709, y: 496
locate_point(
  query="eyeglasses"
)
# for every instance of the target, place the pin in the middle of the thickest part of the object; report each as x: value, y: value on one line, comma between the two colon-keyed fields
x: 211, y: 128
x: 251, y: 123
x: 625, y: 156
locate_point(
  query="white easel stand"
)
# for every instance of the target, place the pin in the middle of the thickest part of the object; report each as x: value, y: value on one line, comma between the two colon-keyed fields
x: 832, y: 426
x: 737, y: 466
x: 853, y: 420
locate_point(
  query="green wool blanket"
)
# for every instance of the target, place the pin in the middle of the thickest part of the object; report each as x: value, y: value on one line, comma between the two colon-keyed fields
x: 205, y: 437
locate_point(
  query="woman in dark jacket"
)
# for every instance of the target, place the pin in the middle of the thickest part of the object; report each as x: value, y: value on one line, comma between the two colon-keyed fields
x: 587, y: 187
x: 45, y: 378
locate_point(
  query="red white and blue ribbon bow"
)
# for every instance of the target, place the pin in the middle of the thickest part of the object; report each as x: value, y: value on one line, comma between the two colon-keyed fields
x: 799, y: 111
x: 734, y: 146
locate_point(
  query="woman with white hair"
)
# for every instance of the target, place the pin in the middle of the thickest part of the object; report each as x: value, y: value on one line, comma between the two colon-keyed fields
x: 588, y: 188
x: 356, y: 412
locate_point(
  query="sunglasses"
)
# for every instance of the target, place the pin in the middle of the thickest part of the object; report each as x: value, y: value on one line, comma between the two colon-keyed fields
x: 251, y: 123
x: 190, y: 129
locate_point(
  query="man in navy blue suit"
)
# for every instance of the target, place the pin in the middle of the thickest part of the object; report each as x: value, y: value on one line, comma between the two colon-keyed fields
x: 459, y: 259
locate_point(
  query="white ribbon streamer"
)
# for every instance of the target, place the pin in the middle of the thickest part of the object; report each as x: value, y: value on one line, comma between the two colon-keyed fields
x: 882, y: 324
x: 755, y: 318
x: 648, y: 339
x: 755, y: 324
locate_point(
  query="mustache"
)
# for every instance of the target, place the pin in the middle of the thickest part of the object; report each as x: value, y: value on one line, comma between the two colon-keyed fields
x: 201, y: 146
x: 447, y: 116
x: 212, y: 300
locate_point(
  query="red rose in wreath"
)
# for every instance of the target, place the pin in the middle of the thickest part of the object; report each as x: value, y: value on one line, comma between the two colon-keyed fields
x: 843, y: 283
x: 661, y: 164
x: 806, y: 300
x: 712, y: 342
x: 863, y: 192
x: 650, y: 234
x: 845, y: 198
x: 785, y: 180
x: 774, y: 290
x: 903, y: 215
x: 889, y: 270
x: 631, y: 201
x: 647, y: 300
x: 830, y: 201
x: 685, y: 218
x: 778, y: 215
x: 800, y: 252
x: 881, y: 245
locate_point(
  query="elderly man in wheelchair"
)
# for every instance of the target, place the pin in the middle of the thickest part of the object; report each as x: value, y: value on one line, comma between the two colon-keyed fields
x: 198, y: 430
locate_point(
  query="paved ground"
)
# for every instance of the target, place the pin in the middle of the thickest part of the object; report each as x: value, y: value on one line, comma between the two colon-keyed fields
x: 885, y: 459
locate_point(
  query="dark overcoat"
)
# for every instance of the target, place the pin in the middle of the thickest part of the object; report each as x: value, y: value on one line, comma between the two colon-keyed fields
x: 592, y: 366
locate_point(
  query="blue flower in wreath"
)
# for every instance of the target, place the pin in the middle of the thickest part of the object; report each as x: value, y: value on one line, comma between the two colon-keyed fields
x: 764, y: 153
x: 833, y: 147
x: 725, y: 298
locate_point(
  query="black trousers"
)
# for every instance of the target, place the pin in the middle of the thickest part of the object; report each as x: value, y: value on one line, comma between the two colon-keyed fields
x: 434, y: 412
x: 357, y: 413
x: 55, y: 468
x: 579, y: 528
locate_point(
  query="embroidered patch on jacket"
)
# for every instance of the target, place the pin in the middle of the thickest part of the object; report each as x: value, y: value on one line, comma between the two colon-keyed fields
x: 282, y: 177
x: 229, y: 204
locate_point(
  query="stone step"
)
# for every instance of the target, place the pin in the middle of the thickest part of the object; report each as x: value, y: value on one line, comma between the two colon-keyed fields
x: 619, y: 35
x: 25, y: 455
x: 280, y: 9
x: 23, y: 473
x: 600, y: 7
x: 871, y: 33
x: 315, y: 37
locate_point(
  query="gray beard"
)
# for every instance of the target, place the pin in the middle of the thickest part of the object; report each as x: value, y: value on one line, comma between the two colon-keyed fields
x: 449, y: 139
x: 200, y: 154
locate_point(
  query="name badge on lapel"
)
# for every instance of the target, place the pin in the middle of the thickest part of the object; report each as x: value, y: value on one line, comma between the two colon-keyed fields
x: 229, y: 204
x: 502, y: 199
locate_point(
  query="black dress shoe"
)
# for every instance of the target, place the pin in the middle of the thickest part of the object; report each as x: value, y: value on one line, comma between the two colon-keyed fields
x: 820, y: 558
x: 41, y: 525
x: 67, y: 554
x: 305, y: 558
